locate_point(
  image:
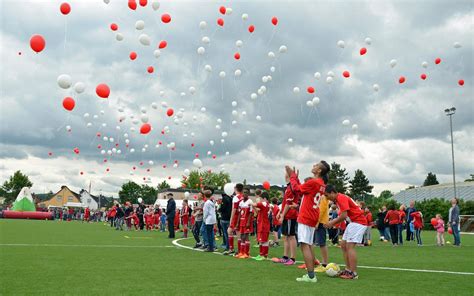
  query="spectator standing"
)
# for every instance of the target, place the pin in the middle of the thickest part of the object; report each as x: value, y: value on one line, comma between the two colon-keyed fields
x: 393, y: 219
x: 417, y: 221
x: 400, y: 225
x: 454, y: 221
x: 198, y: 215
x: 140, y: 213
x: 411, y: 209
x: 209, y: 217
x: 439, y: 230
x: 119, y: 218
x: 225, y: 211
x: 170, y: 214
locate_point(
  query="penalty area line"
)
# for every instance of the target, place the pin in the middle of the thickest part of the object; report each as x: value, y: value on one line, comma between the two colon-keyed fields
x: 177, y: 244
x: 82, y: 246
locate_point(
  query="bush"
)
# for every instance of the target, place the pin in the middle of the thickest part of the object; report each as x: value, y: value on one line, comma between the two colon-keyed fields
x: 431, y: 207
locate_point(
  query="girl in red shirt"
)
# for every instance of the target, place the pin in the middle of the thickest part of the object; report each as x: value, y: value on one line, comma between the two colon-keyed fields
x: 393, y: 219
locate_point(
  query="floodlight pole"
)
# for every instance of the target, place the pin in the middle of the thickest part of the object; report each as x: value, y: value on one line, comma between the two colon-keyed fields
x: 450, y: 112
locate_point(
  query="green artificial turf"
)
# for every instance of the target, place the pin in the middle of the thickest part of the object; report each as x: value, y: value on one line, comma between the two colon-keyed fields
x: 74, y: 258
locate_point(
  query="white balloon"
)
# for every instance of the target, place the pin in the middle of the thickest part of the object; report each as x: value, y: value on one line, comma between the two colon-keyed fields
x: 346, y: 122
x: 329, y: 80
x: 155, y: 5
x: 68, y: 128
x: 86, y: 115
x: 424, y: 64
x: 238, y: 72
x: 296, y: 89
x: 341, y: 44
x: 271, y: 54
x: 229, y: 189
x: 197, y: 163
x: 226, y: 153
x: 172, y: 145
x: 192, y: 90
x: 211, y: 142
x: 218, y: 126
x: 203, y: 109
x: 89, y: 124
x: 224, y: 134
x: 205, y: 40
x: 228, y: 11
x: 164, y: 104
x: 144, y: 39
x: 186, y: 172
x: 221, y: 74
x: 64, y: 81
x: 79, y: 87
x: 132, y: 150
x: 368, y: 41
x: 238, y: 43
x: 140, y: 25
x: 253, y: 96
x: 376, y: 87
x: 244, y: 113
x: 355, y: 126
x: 208, y: 68
x: 245, y: 16
x: 272, y: 69
x: 102, y: 152
x: 393, y: 63
x: 119, y: 37
x: 234, y: 122
x: 140, y: 200
x: 154, y: 105
x: 106, y: 1
x: 201, y: 50
x: 248, y: 132
x: 309, y: 104
x: 219, y: 120
x: 186, y: 194
x: 457, y: 45
x: 234, y: 104
x: 317, y: 75
x: 144, y: 118
x: 290, y: 140
x: 331, y: 74
x: 283, y: 49
x: 202, y: 25
x: 315, y: 101
x: 235, y: 113
x: 258, y: 117
x: 264, y: 79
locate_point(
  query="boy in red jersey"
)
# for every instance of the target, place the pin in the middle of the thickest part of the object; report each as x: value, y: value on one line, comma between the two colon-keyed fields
x: 263, y: 225
x: 176, y: 219
x: 148, y: 219
x: 135, y: 220
x: 87, y: 214
x: 308, y: 216
x: 185, y: 217
x: 354, y: 232
x: 276, y: 221
x: 156, y: 217
x: 245, y: 224
x: 233, y: 231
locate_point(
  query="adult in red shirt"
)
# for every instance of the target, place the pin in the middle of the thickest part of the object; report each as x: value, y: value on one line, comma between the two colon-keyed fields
x: 393, y: 219
x: 263, y: 225
x: 308, y: 216
x: 354, y: 232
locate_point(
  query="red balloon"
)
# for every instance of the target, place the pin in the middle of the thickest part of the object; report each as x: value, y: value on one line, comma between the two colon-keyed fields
x: 401, y: 79
x: 145, y: 129
x: 222, y: 10
x: 132, y: 4
x: 423, y: 76
x: 170, y: 112
x: 102, y: 90
x: 82, y: 173
x: 266, y: 185
x: 65, y: 8
x: 68, y: 103
x: 251, y: 28
x: 434, y: 221
x: 450, y: 230
x: 133, y: 55
x: 461, y: 82
x: 76, y: 150
x: 166, y: 18
x: 197, y: 155
x: 363, y: 51
x: 237, y: 56
x: 143, y: 3
x: 50, y: 153
x: 346, y: 74
x: 113, y: 27
x: 220, y: 22
x: 150, y: 69
x: 274, y: 20
x: 310, y: 89
x: 37, y: 43
x: 162, y: 44
x: 437, y: 61
x: 213, y: 156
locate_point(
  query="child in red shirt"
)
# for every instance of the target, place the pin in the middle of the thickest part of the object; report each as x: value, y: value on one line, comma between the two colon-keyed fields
x: 263, y: 225
x: 149, y: 219
x: 418, y: 225
x: 276, y: 221
x: 368, y: 233
x: 135, y: 221
x: 185, y: 218
x: 393, y: 219
x: 176, y: 220
x: 245, y: 224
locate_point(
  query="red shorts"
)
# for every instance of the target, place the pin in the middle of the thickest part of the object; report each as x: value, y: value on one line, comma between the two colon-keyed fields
x: 185, y: 221
x: 262, y: 237
x: 234, y: 222
x: 245, y: 230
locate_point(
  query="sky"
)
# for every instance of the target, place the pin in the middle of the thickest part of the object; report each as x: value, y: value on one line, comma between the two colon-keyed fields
x: 242, y: 116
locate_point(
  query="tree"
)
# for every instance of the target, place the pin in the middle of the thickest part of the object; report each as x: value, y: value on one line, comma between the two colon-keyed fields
x: 163, y: 185
x: 386, y: 194
x: 338, y: 177
x: 148, y: 194
x: 430, y: 180
x: 360, y: 185
x: 275, y: 193
x: 13, y: 186
x: 471, y: 179
x: 197, y: 180
x: 130, y: 191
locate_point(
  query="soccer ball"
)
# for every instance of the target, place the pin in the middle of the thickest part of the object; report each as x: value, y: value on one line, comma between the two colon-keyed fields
x: 332, y: 269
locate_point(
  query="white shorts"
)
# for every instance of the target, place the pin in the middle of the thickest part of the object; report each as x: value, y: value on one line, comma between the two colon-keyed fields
x: 354, y: 233
x: 305, y: 234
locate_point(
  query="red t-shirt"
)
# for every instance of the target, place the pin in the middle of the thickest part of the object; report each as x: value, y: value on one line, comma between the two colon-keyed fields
x: 368, y: 216
x: 417, y: 220
x: 245, y: 207
x: 402, y: 216
x: 312, y: 190
x: 263, y: 224
x: 393, y: 217
x: 275, y: 211
x: 354, y: 212
x: 185, y: 214
x: 288, y: 199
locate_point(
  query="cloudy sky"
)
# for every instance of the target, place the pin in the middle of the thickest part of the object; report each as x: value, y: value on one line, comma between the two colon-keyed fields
x: 401, y: 132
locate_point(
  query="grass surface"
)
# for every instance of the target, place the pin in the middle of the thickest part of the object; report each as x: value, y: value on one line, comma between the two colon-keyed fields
x: 73, y: 258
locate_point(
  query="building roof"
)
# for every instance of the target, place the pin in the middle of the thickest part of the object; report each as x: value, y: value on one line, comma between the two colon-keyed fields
x: 464, y: 190
x: 104, y: 200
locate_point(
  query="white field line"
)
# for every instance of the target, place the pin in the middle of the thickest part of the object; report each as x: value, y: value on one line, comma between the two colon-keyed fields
x: 82, y: 246
x: 176, y: 243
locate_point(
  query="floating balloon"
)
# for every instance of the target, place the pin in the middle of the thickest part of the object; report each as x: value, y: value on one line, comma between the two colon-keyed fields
x: 310, y: 89
x: 290, y: 140
x: 461, y: 82
x: 202, y: 25
x: 437, y: 61
x: 113, y: 27
x: 346, y: 74
x: 355, y: 127
x: 283, y: 49
x: 102, y: 90
x: 423, y: 76
x: 145, y: 128
x: 132, y: 4
x: 271, y: 54
x: 401, y: 79
x: 317, y: 75
x: 368, y: 41
x: 274, y: 20
x: 69, y: 103
x: 229, y: 189
x: 143, y: 3
x: 237, y: 56
x: 228, y: 11
x: 266, y: 185
x: 393, y: 63
x: 363, y: 51
x: 346, y: 122
x: 144, y: 39
x: 119, y: 37
x: 156, y: 53
x: 222, y: 74
x: 457, y: 45
x: 166, y: 18
x: 315, y: 101
x: 197, y: 163
x: 201, y: 50
x: 245, y: 17
x: 251, y: 28
x: 220, y: 22
x: 309, y: 104
x: 208, y: 68
x: 170, y: 112
x: 79, y: 87
x: 238, y: 43
x: 65, y: 8
x: 222, y: 10
x: 376, y: 87
x: 296, y: 89
x: 150, y: 69
x: 133, y: 55
x: 155, y: 5
x: 238, y: 72
x: 424, y: 65
x: 64, y: 81
x: 37, y: 43
x: 329, y: 80
x: 140, y: 25
x: 341, y: 44
x: 162, y: 44
x: 205, y: 40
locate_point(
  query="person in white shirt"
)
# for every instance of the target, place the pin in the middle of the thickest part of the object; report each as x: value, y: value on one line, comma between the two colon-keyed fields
x: 209, y: 217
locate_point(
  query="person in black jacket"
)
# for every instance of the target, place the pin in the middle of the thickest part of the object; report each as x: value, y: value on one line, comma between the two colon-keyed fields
x: 170, y: 214
x: 225, y: 210
x: 140, y: 212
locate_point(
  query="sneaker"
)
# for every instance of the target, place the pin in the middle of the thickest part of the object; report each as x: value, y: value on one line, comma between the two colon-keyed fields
x: 238, y: 255
x: 197, y: 246
x: 320, y: 268
x: 289, y: 262
x: 244, y: 256
x: 307, y: 279
x: 226, y: 252
x: 276, y: 260
x: 341, y: 272
x: 232, y: 253
x: 302, y: 266
x: 259, y: 258
x: 349, y: 275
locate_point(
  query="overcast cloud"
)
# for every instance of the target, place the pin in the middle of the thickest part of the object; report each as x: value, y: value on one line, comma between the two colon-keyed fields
x: 402, y: 131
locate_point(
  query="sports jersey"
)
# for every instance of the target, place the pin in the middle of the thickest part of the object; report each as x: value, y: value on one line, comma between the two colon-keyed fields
x: 290, y: 197
x: 402, y: 216
x: 417, y: 220
x: 185, y: 215
x: 393, y: 217
x: 312, y: 190
x: 235, y: 207
x: 246, y: 212
x: 354, y: 212
x: 263, y: 223
x: 275, y: 212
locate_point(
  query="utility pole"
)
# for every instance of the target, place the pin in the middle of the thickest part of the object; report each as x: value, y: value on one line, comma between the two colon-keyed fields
x: 450, y: 112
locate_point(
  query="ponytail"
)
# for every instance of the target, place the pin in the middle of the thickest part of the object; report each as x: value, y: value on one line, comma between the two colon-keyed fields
x: 325, y: 171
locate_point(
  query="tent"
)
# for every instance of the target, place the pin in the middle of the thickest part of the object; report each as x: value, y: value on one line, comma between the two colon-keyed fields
x: 24, y: 201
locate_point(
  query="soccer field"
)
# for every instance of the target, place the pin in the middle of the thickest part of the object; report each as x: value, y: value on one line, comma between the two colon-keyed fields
x: 72, y: 258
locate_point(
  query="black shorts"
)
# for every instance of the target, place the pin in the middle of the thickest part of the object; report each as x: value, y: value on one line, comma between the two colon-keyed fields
x: 276, y: 228
x: 320, y: 236
x: 288, y: 228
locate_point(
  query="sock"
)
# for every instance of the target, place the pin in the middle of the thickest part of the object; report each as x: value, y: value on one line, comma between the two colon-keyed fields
x: 262, y: 253
x: 239, y: 245
x: 324, y: 265
x: 231, y: 243
x: 185, y: 233
x: 242, y: 248
x: 265, y: 251
x: 247, y: 248
x: 311, y: 274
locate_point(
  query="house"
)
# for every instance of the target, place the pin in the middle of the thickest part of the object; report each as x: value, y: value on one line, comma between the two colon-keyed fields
x: 88, y: 200
x: 64, y: 198
x: 40, y: 198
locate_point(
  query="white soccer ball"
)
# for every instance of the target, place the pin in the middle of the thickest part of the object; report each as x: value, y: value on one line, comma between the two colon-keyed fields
x: 332, y: 269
